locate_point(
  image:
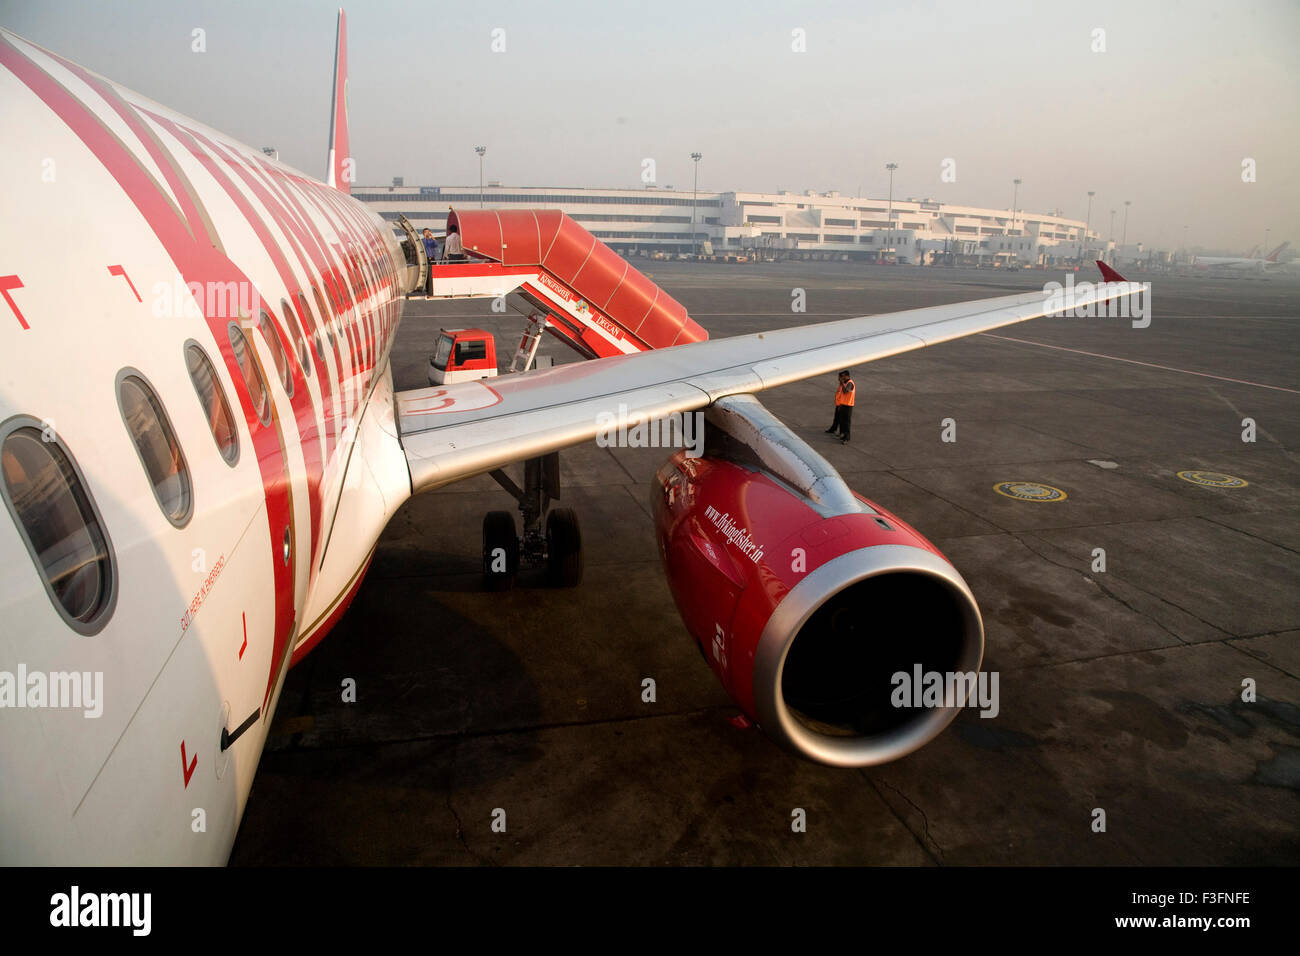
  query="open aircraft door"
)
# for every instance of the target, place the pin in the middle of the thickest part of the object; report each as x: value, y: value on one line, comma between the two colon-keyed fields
x: 417, y: 270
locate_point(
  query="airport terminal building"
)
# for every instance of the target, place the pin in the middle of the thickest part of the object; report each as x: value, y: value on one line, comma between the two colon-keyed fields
x: 811, y: 225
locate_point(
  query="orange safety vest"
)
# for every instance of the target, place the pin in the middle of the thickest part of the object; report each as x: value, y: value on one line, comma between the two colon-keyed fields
x: 845, y: 396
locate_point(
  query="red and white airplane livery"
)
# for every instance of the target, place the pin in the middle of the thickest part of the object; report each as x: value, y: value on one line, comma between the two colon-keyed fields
x: 1248, y: 263
x: 200, y: 446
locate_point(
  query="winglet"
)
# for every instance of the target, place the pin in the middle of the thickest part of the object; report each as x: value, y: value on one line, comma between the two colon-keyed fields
x: 339, y: 172
x: 1109, y: 274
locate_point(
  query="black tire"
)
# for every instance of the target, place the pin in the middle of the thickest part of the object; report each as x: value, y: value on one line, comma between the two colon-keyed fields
x: 499, y: 533
x: 563, y: 548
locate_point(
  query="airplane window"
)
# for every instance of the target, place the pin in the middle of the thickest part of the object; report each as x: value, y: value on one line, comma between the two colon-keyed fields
x: 252, y: 374
x: 213, y: 400
x: 291, y: 323
x: 326, y: 316
x: 155, y: 443
x: 316, y: 334
x: 60, y: 525
x: 276, y: 345
x: 320, y: 304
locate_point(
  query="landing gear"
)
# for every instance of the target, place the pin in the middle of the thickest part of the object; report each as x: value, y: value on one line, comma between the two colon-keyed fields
x: 558, y: 549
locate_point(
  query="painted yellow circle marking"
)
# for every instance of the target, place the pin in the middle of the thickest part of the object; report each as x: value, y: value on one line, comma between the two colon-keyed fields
x: 1213, y: 479
x: 1029, y: 491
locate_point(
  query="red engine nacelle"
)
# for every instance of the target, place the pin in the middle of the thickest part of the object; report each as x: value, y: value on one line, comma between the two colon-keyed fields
x: 807, y: 615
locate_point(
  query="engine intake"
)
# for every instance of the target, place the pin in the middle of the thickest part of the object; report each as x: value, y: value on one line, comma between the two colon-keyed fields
x: 807, y: 599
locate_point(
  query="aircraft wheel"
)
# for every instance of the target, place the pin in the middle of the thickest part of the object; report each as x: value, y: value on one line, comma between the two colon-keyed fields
x: 500, y: 551
x: 563, y: 548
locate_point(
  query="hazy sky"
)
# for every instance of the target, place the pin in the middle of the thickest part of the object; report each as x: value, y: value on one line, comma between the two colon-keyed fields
x: 584, y: 91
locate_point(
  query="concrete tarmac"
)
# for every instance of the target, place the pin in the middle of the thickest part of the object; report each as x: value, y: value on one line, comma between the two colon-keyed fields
x: 1120, y: 690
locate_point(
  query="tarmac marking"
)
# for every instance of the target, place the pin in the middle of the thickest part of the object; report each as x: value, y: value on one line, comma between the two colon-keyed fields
x: 1237, y: 411
x: 1213, y: 479
x: 1166, y: 368
x: 1029, y: 491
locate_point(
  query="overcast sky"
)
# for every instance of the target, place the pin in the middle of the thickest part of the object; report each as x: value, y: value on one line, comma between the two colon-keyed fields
x: 585, y: 91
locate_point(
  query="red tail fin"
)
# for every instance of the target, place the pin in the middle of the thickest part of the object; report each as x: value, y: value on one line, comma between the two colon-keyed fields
x: 341, y: 169
x: 1109, y: 274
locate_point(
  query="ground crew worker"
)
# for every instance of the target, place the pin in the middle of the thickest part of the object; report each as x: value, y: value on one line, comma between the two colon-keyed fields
x: 844, y: 395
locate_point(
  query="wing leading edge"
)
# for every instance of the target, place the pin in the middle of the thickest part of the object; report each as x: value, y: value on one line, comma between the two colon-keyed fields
x: 458, y: 431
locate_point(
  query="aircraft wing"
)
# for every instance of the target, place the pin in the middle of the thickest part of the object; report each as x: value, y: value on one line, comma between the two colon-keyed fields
x: 457, y: 431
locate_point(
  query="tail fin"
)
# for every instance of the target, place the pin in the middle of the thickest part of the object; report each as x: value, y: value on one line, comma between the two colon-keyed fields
x: 340, y: 171
x: 1272, y: 256
x: 1108, y: 274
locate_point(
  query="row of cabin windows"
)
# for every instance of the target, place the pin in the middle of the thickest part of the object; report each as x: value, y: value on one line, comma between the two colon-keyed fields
x: 49, y: 501
x: 48, y: 497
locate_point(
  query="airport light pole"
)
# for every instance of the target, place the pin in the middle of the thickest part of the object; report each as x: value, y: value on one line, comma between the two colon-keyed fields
x: 1110, y: 240
x: 890, y: 215
x: 1124, y: 241
x: 1265, y: 250
x: 695, y: 157
x: 1087, y: 222
x: 1015, y: 193
x: 480, y: 150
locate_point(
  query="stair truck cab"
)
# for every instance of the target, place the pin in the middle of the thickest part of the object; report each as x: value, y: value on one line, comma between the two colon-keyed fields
x: 462, y: 355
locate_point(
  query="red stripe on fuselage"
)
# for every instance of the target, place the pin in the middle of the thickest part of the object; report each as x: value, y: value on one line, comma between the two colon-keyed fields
x: 197, y: 261
x: 314, y: 246
x: 190, y: 208
x: 304, y: 412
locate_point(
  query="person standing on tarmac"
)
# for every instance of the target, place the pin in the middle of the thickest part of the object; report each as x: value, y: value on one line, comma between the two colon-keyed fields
x: 844, y: 395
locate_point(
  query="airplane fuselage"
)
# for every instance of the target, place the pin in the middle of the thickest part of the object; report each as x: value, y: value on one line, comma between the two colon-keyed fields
x: 195, y: 384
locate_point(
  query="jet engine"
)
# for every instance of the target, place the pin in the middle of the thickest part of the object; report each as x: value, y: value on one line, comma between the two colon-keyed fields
x: 808, y: 600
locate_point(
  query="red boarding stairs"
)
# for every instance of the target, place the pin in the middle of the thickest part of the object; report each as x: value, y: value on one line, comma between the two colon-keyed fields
x: 548, y: 268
